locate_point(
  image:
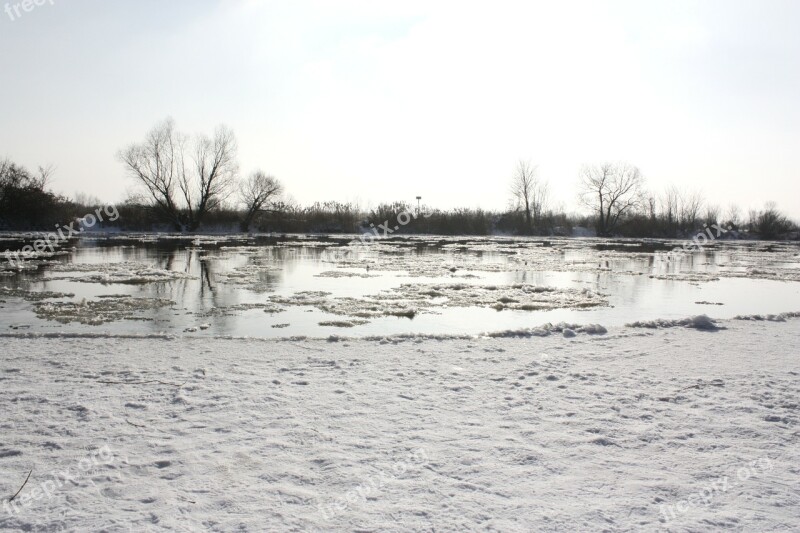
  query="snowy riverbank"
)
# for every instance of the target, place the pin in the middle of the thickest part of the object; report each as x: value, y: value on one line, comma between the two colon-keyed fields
x: 637, y: 430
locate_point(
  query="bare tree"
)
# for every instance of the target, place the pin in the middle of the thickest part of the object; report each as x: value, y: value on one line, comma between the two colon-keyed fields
x: 14, y: 175
x: 255, y: 193
x: 652, y: 207
x: 154, y: 164
x: 530, y: 194
x: 669, y: 206
x: 84, y: 199
x: 43, y: 179
x: 210, y: 179
x: 541, y: 197
x: 184, y: 178
x: 690, y: 205
x: 712, y: 214
x: 611, y: 190
x: 771, y: 223
x: 752, y: 219
x: 734, y: 216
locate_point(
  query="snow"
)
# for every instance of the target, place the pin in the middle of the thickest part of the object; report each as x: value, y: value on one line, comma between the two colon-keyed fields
x: 703, y: 322
x: 255, y: 277
x: 343, y: 274
x: 409, y: 299
x: 629, y: 429
x: 782, y: 317
x: 104, y: 309
x: 126, y: 272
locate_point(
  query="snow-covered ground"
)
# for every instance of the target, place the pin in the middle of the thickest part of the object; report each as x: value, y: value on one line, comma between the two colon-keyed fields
x: 669, y: 429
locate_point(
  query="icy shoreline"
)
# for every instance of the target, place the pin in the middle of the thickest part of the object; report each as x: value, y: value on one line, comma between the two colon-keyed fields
x: 635, y: 430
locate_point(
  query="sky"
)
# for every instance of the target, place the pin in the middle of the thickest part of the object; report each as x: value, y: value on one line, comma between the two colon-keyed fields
x: 370, y: 101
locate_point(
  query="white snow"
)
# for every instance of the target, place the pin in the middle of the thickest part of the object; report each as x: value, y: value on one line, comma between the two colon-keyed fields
x: 703, y: 322
x: 100, y: 311
x: 125, y: 272
x: 410, y: 299
x: 672, y: 429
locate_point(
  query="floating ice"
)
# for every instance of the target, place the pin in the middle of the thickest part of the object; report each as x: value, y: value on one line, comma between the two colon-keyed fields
x: 410, y: 299
x: 32, y: 296
x: 129, y: 273
x: 343, y: 323
x: 701, y: 322
x: 343, y: 274
x: 100, y: 311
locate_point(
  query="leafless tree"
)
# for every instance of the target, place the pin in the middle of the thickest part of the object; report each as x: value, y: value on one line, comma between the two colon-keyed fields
x: 712, y: 214
x: 42, y: 179
x: 690, y: 205
x: 184, y: 178
x: 669, y: 206
x: 154, y: 164
x: 84, y: 199
x: 209, y: 179
x: 611, y: 190
x: 255, y: 193
x: 752, y: 219
x: 652, y: 207
x: 14, y: 175
x: 734, y: 216
x: 530, y: 194
x: 771, y: 223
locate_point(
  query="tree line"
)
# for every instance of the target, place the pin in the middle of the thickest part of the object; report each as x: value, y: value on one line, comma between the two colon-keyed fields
x: 192, y: 182
x: 619, y: 203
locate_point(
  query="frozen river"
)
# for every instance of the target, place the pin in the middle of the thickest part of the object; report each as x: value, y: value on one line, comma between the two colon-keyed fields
x: 268, y: 286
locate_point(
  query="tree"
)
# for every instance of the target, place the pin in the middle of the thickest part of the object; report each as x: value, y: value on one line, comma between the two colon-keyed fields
x: 669, y: 207
x: 25, y: 202
x: 690, y: 205
x: 18, y: 177
x: 771, y: 223
x: 84, y: 199
x: 254, y: 193
x: 712, y: 214
x: 212, y: 174
x: 529, y: 194
x: 734, y: 216
x: 611, y: 190
x: 183, y: 178
x: 652, y: 207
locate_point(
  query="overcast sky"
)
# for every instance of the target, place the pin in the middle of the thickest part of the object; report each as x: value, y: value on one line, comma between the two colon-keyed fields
x: 386, y: 100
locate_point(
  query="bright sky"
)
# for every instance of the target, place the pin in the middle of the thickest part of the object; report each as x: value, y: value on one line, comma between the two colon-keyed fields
x: 369, y: 100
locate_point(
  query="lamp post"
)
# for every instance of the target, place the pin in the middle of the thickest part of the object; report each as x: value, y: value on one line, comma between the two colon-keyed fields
x: 418, y: 208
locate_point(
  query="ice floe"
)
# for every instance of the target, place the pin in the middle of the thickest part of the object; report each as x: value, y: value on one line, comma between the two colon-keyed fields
x: 129, y: 273
x: 100, y: 311
x: 701, y: 322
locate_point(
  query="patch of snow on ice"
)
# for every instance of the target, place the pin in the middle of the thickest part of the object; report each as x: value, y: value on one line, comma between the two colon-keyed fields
x: 700, y: 322
x: 129, y: 273
x: 100, y: 311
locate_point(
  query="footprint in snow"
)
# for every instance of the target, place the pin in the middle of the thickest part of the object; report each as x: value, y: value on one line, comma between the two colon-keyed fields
x: 9, y: 453
x: 602, y: 441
